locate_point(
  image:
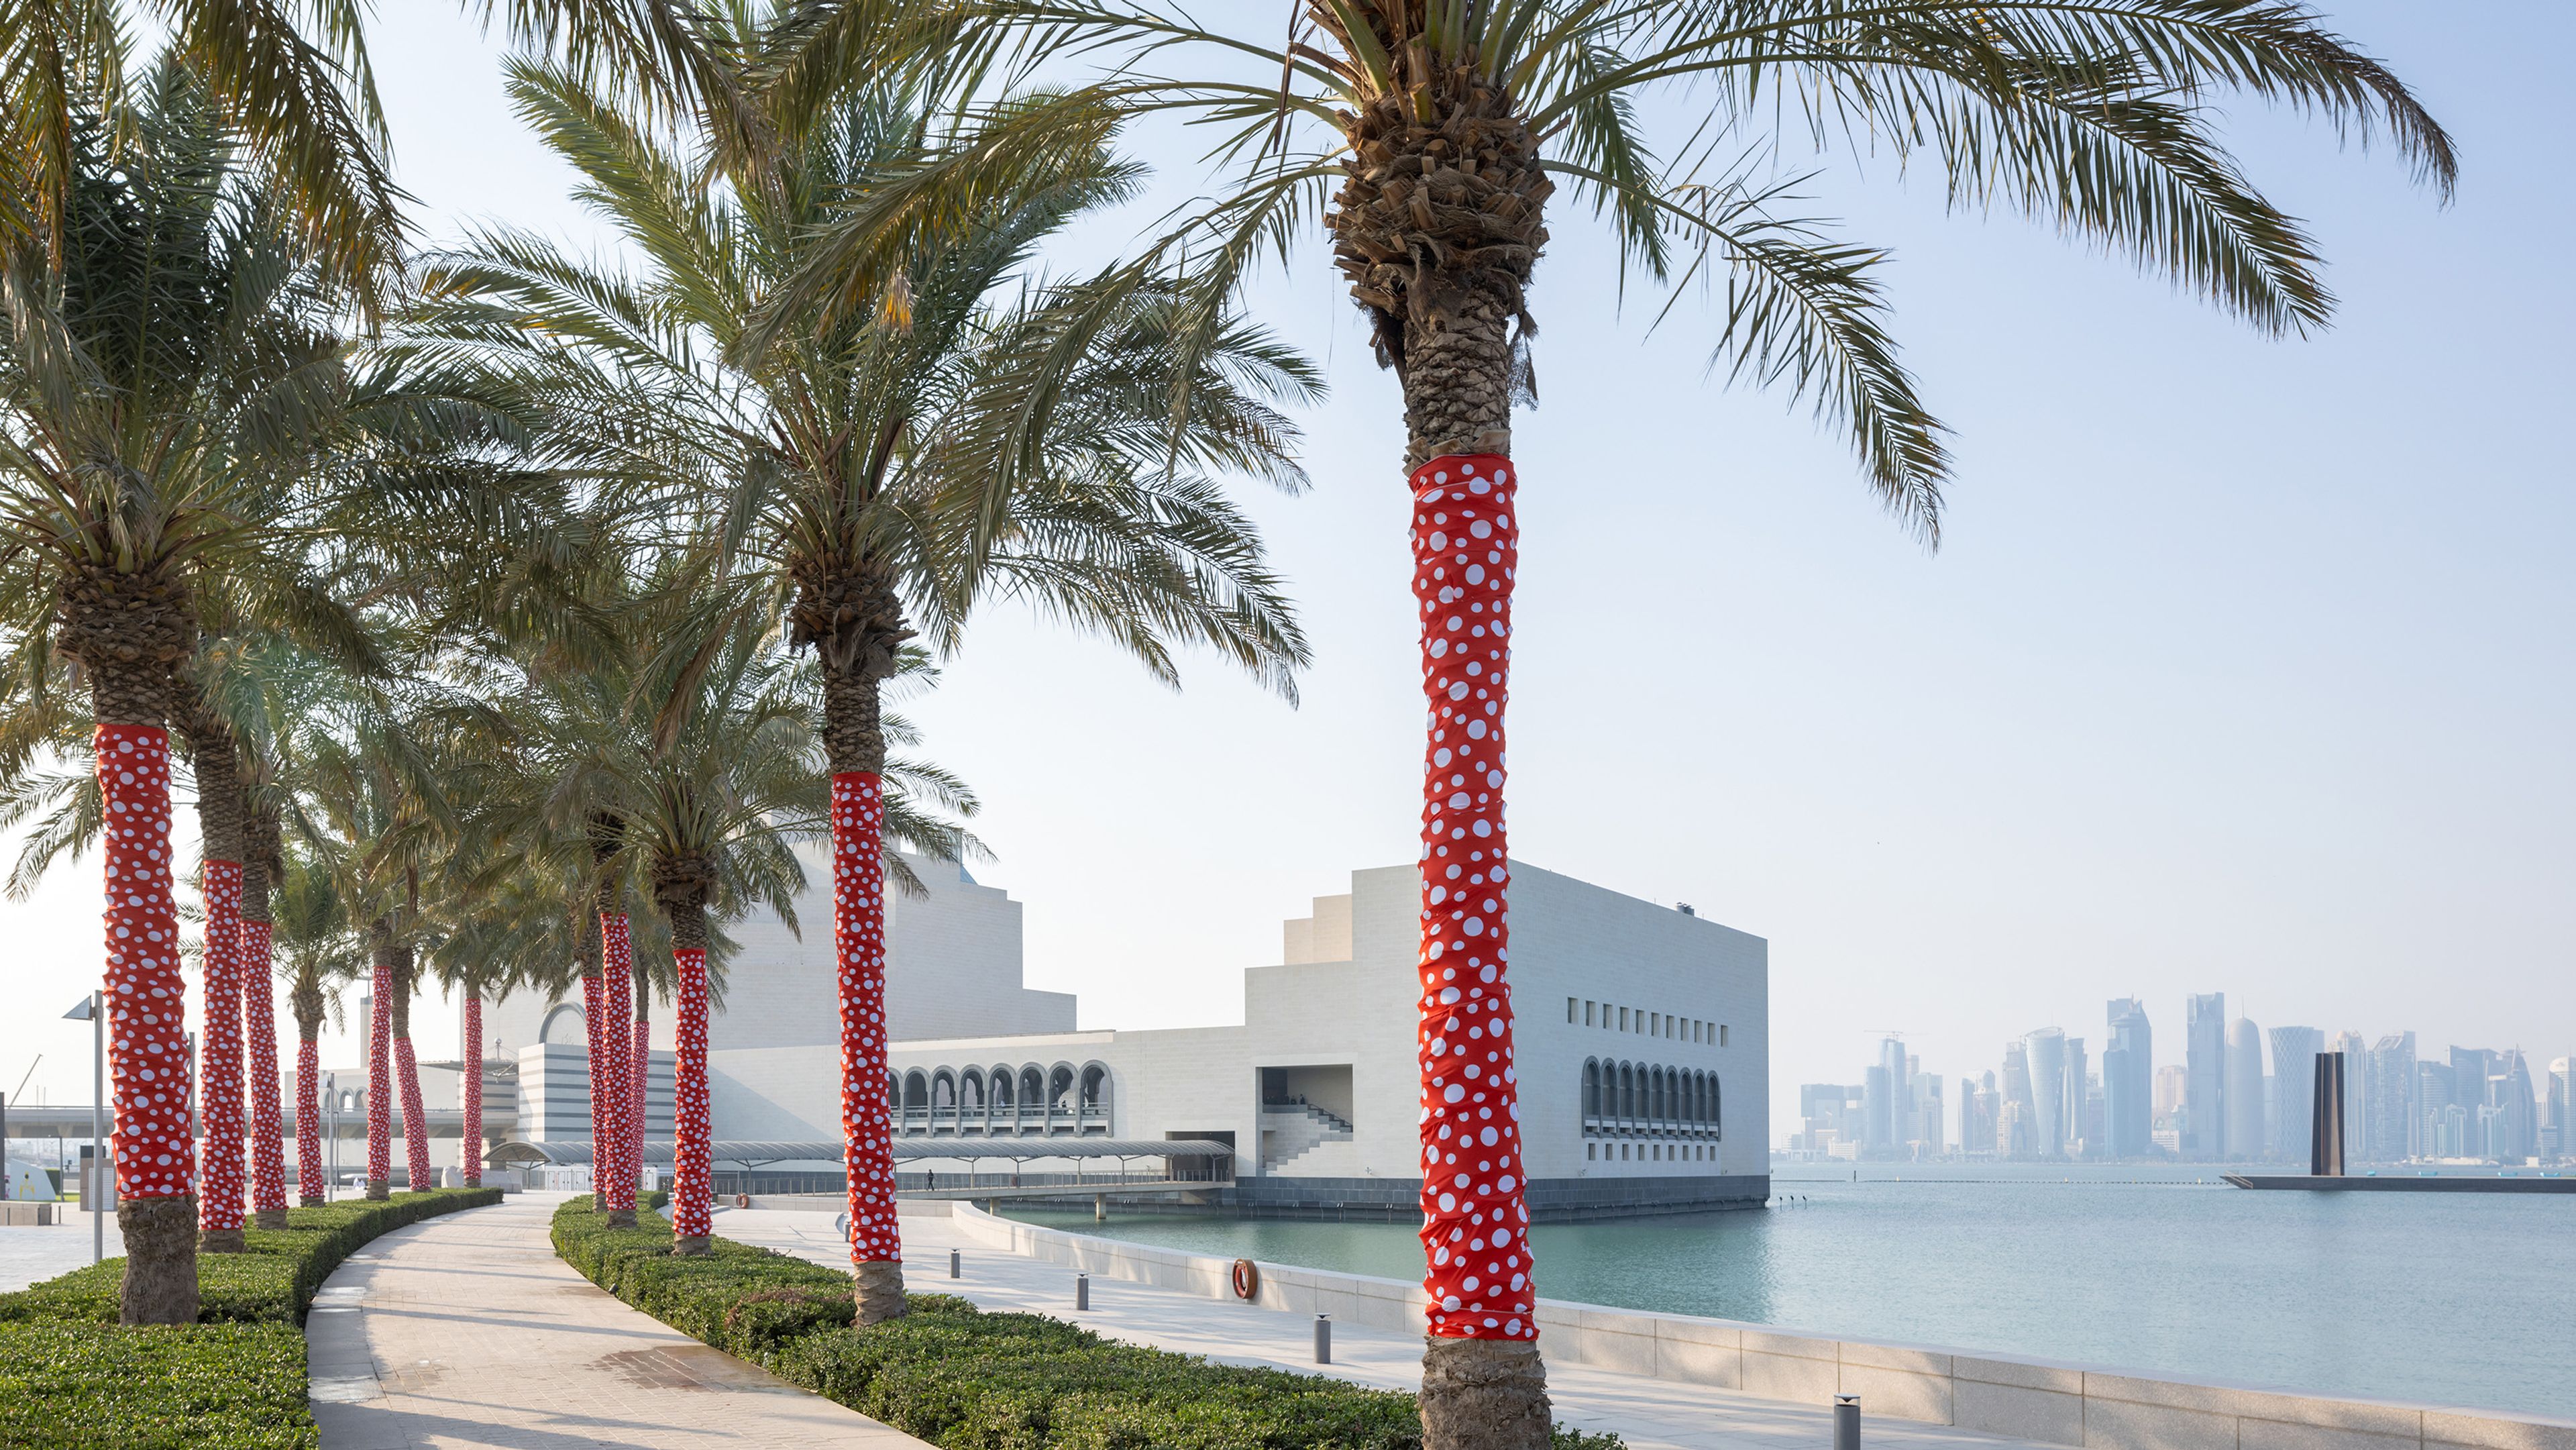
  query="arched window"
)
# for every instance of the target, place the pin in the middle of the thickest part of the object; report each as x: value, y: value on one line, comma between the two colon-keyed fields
x: 1591, y: 1088
x: 1656, y: 1107
x: 916, y: 1089
x: 1060, y: 1089
x: 1001, y: 1087
x: 1627, y: 1091
x: 894, y: 1091
x: 1095, y: 1088
x: 1032, y: 1088
x: 1717, y: 1108
x: 943, y: 1091
x: 970, y: 1092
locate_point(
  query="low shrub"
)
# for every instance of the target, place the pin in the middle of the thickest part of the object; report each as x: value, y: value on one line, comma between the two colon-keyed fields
x: 962, y: 1378
x: 185, y: 1387
x: 272, y: 1283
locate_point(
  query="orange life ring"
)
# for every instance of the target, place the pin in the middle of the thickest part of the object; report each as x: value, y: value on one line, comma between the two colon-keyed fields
x: 1247, y: 1279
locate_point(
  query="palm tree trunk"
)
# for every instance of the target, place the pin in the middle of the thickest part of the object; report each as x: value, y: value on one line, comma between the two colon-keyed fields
x: 1483, y: 1385
x: 220, y: 827
x: 855, y: 740
x: 611, y: 1077
x: 470, y: 1088
x: 311, y: 1188
x: 259, y: 1030
x: 380, y: 1077
x: 639, y: 1062
x: 416, y: 1164
x: 259, y: 1020
x: 691, y: 1129
x: 129, y: 631
x: 594, y: 1016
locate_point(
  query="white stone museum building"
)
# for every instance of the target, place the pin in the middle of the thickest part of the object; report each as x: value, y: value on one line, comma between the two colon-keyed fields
x: 1642, y: 1037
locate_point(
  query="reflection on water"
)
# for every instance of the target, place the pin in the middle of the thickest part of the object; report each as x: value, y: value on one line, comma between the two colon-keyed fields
x: 2463, y: 1299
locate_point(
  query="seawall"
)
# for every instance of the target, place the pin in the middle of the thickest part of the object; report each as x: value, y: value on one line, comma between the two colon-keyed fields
x: 2044, y: 1401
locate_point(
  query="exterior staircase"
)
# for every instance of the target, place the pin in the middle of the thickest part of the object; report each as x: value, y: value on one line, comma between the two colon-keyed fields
x: 1289, y: 1130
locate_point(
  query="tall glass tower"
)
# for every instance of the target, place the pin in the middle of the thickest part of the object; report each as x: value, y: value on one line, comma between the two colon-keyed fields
x: 2128, y: 1080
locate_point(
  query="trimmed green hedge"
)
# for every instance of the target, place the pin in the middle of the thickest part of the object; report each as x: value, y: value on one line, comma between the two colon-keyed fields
x: 72, y: 1378
x: 962, y: 1378
x: 184, y: 1387
x: 273, y: 1283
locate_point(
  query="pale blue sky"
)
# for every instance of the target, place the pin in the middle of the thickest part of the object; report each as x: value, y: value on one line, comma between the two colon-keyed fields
x: 2245, y: 668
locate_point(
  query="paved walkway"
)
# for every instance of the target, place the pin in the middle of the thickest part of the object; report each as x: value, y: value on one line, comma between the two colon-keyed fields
x: 29, y: 1254
x: 1651, y: 1414
x: 466, y: 1330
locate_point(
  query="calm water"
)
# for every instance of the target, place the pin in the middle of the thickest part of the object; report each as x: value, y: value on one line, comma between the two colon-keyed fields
x: 2460, y: 1299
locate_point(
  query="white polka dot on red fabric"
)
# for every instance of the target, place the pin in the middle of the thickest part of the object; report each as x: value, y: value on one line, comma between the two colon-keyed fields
x: 1479, y: 1285
x: 691, y: 1131
x: 219, y: 1183
x: 144, y: 996
x: 259, y: 1033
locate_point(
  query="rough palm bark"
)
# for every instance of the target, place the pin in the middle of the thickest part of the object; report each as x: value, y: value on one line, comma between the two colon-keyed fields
x: 380, y: 1077
x: 848, y: 610
x: 416, y: 1165
x: 681, y: 886
x: 1437, y: 227
x: 310, y: 1187
x: 129, y: 631
x: 470, y: 1087
x: 259, y: 1024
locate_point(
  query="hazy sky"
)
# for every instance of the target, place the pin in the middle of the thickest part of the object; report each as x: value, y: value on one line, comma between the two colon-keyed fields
x: 2245, y: 666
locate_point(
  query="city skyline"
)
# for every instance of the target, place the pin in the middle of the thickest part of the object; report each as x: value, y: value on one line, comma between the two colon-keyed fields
x: 2240, y: 1093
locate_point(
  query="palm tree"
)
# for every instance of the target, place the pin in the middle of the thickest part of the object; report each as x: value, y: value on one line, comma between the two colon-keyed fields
x: 291, y: 81
x: 980, y: 433
x: 317, y: 950
x: 1442, y: 128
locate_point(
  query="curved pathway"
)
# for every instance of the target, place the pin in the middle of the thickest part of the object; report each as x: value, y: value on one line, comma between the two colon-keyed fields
x: 467, y: 1331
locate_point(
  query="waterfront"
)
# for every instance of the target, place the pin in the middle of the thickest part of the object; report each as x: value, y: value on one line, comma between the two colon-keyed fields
x: 2450, y: 1299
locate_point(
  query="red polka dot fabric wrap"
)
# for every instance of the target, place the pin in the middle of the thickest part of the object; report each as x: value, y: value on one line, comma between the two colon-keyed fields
x: 858, y: 948
x: 1474, y: 1222
x: 617, y: 1004
x: 594, y: 1010
x: 259, y: 1031
x: 471, y: 1086
x: 690, y: 1129
x: 219, y: 1191
x: 380, y: 1077
x: 639, y: 1058
x: 415, y: 1119
x: 308, y: 1120
x: 147, y: 1042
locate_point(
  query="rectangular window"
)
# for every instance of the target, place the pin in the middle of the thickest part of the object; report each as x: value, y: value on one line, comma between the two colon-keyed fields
x: 1587, y: 1014
x: 1699, y: 1030
x: 1569, y: 1009
x: 1721, y: 1034
x: 1623, y: 1019
x: 1591, y: 1150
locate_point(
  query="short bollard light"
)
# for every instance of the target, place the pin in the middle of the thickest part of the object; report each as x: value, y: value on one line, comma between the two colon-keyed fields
x: 952, y: 1263
x: 1082, y: 1291
x: 1846, y: 1422
x: 1323, y: 1339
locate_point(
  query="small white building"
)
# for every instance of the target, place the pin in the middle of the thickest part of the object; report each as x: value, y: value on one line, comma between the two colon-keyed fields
x: 1641, y: 1038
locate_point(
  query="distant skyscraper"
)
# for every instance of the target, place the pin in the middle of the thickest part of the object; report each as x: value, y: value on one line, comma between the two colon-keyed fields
x: 2128, y: 1080
x: 1878, y: 1104
x: 2356, y: 1103
x: 2436, y: 1097
x: 2294, y: 1071
x: 2045, y: 1056
x: 1927, y: 1109
x: 2204, y: 1093
x: 2170, y: 1082
x: 2519, y: 1105
x: 2562, y: 1104
x: 2071, y: 1100
x: 2016, y: 1091
x: 2470, y: 1069
x: 2391, y: 1130
x: 2244, y: 1089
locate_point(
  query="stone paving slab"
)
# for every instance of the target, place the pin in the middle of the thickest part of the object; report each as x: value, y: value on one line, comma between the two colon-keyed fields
x: 467, y: 1331
x: 1651, y: 1414
x: 29, y: 1254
